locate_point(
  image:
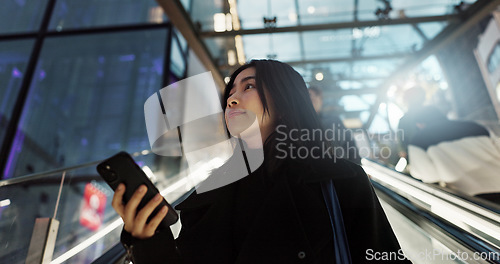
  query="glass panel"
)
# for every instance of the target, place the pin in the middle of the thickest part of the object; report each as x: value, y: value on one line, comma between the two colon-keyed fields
x: 367, y: 9
x: 424, y: 7
x: 494, y: 59
x: 322, y: 12
x: 14, y: 56
x: 283, y: 46
x: 392, y: 40
x: 252, y: 13
x: 181, y: 39
x: 70, y: 14
x: 327, y: 43
x: 86, y: 229
x: 90, y: 102
x: 413, y: 8
x: 374, y: 68
x: 218, y: 47
x: 187, y: 5
x: 21, y: 15
x: 432, y: 29
x: 202, y: 13
x: 178, y: 60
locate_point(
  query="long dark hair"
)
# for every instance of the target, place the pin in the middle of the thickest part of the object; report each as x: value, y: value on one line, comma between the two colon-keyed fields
x: 290, y: 98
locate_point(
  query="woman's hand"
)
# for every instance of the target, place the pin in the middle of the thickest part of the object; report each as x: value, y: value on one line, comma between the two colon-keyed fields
x: 135, y: 222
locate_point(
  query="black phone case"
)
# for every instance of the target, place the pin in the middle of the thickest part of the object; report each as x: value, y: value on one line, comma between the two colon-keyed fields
x: 121, y: 168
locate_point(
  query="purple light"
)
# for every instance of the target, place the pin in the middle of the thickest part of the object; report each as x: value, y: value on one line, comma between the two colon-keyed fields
x: 21, y: 2
x: 100, y: 59
x: 16, y: 147
x: 129, y: 57
x: 84, y: 142
x: 42, y: 74
x: 100, y: 73
x: 158, y: 67
x: 140, y: 163
x: 16, y: 73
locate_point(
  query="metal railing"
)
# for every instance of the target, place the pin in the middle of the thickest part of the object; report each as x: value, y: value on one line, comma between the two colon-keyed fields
x: 79, y: 200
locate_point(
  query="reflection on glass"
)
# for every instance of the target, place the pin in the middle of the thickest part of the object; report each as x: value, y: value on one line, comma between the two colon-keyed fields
x: 14, y: 56
x: 70, y: 14
x: 88, y: 101
x: 21, y: 16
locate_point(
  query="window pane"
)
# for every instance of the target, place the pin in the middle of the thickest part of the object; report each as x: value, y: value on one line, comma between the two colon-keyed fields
x: 321, y: 12
x: 494, y: 59
x: 70, y: 14
x: 327, y: 43
x: 14, y: 56
x: 89, y: 103
x: 178, y: 64
x: 282, y: 46
x: 21, y: 15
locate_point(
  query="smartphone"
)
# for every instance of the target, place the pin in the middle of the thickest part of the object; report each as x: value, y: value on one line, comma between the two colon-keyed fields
x: 121, y: 168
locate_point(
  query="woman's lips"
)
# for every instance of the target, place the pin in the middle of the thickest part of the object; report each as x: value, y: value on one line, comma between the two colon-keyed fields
x: 233, y: 113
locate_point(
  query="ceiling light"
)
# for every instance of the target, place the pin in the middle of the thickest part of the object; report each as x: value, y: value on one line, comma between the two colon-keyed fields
x: 227, y: 79
x: 319, y: 76
x: 231, y: 57
x: 229, y: 22
x: 311, y: 10
x: 219, y: 22
x: 357, y: 33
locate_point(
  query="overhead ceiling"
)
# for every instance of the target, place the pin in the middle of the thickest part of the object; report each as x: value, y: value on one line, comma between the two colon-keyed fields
x: 352, y: 49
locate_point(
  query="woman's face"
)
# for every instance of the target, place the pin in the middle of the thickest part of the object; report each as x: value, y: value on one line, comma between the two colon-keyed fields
x: 244, y: 107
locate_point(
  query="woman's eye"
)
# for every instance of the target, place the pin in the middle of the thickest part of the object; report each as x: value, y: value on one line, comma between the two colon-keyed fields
x: 249, y: 86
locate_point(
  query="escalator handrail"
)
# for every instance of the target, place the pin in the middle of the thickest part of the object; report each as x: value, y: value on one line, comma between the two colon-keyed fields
x: 41, y: 175
x: 473, y: 219
x: 446, y: 196
x: 465, y: 238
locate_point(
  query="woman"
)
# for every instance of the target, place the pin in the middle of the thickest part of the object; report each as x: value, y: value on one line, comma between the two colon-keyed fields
x: 278, y: 213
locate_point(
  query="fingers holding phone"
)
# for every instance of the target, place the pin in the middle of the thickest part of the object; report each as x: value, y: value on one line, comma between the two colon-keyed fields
x: 117, y: 201
x: 136, y: 199
x: 144, y: 229
x: 135, y: 222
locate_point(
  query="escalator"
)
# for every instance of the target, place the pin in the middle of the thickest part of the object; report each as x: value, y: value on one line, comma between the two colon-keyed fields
x: 432, y: 224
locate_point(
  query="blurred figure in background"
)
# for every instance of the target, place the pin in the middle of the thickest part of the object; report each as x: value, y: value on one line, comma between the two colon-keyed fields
x: 345, y: 147
x: 413, y: 99
x: 458, y: 154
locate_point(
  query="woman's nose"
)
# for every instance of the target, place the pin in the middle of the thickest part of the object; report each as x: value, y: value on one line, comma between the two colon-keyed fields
x: 232, y: 102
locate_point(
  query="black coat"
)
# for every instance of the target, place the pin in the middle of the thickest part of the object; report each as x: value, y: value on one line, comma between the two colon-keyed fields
x: 293, y: 225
